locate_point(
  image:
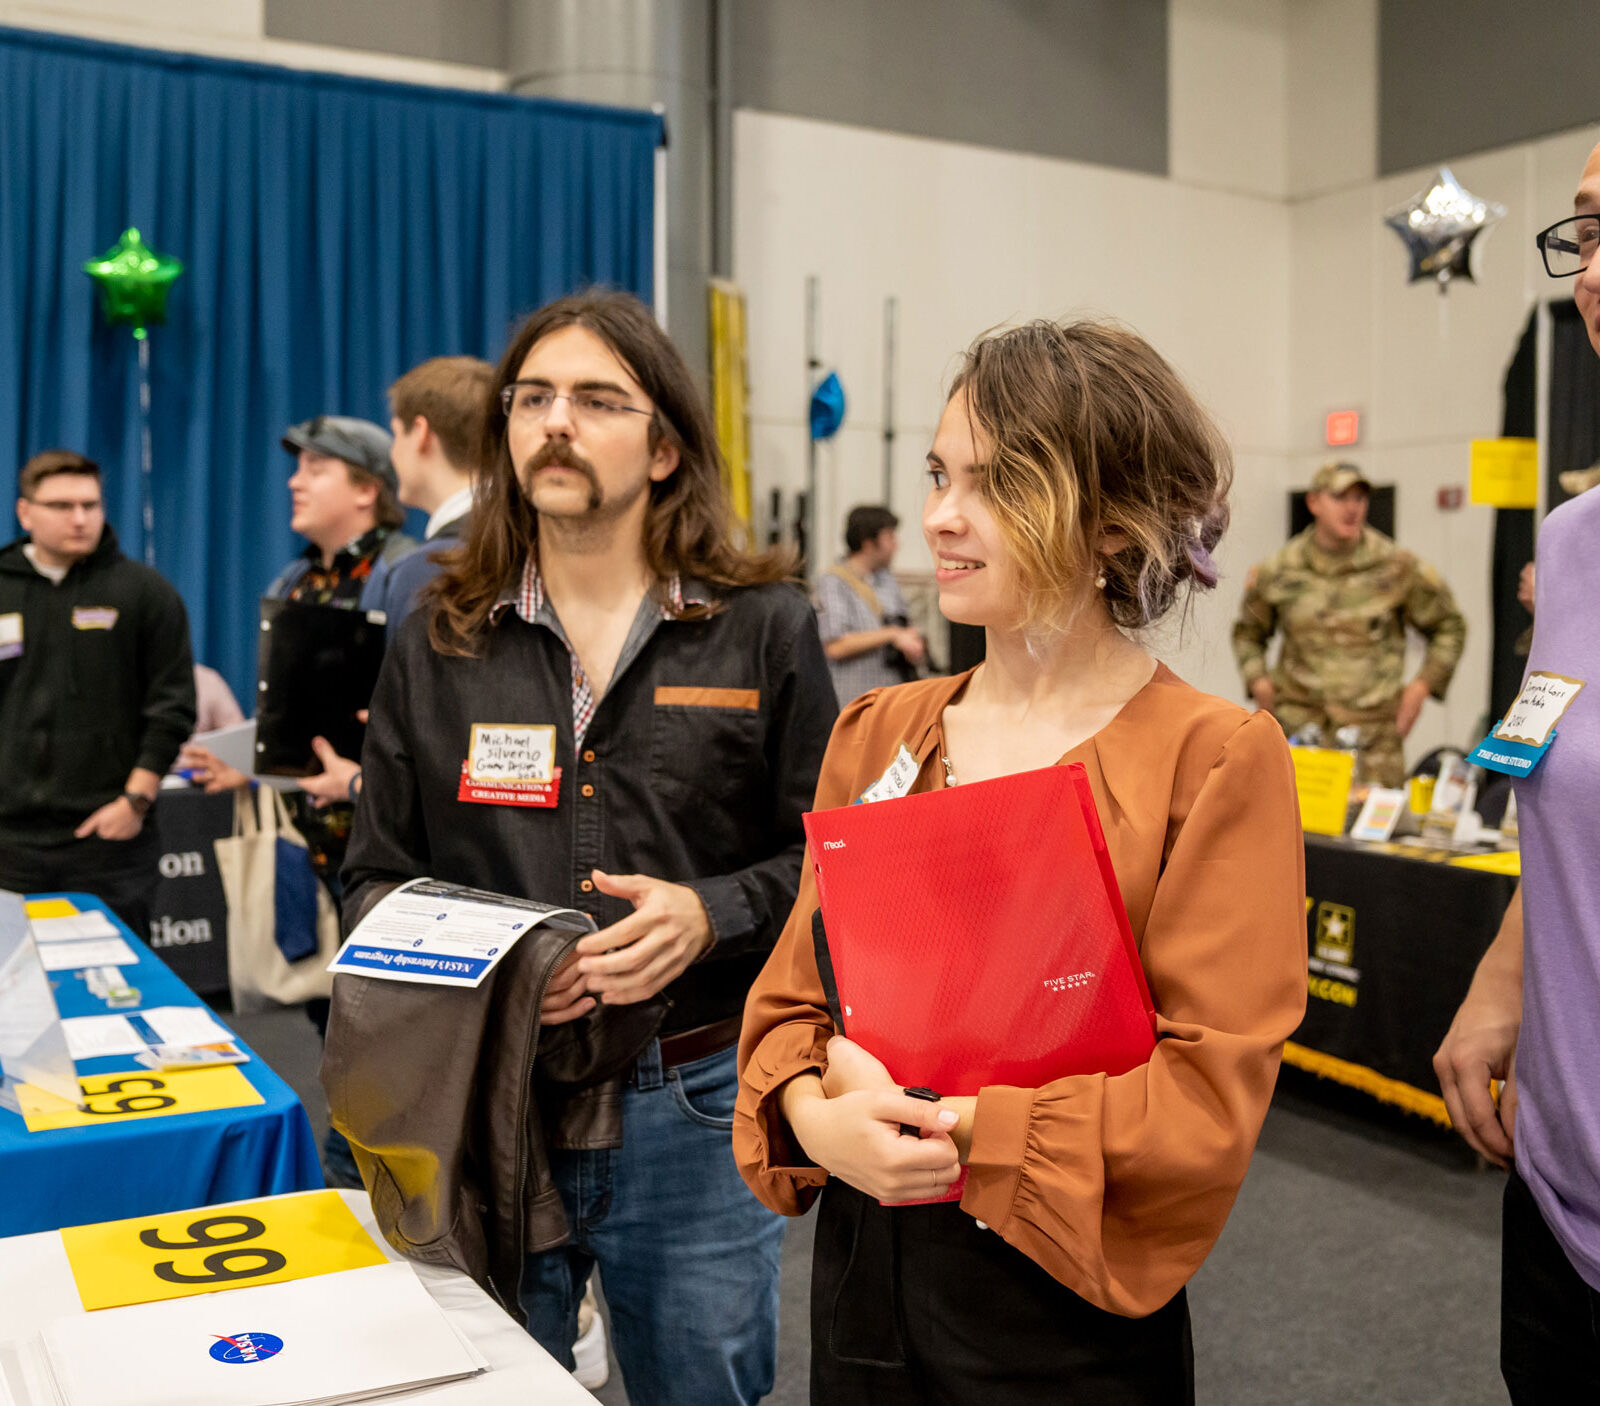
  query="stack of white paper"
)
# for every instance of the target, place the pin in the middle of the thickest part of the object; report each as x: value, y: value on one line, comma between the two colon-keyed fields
x: 76, y: 954
x: 353, y: 1336
x: 74, y: 926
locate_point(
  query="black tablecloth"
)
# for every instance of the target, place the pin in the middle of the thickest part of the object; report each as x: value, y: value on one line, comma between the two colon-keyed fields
x: 1394, y: 942
x: 189, y: 915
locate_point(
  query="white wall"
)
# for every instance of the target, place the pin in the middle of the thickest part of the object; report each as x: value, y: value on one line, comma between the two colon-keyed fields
x: 1425, y: 371
x: 1261, y: 268
x: 229, y: 29
x: 967, y: 237
x: 1228, y: 94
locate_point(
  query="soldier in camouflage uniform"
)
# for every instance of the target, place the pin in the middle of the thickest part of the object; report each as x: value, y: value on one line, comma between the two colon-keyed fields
x: 1342, y: 594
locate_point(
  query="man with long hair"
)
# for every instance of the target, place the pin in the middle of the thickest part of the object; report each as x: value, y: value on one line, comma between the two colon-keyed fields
x: 671, y: 693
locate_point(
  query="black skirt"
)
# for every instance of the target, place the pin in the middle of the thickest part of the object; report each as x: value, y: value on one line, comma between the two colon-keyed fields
x: 920, y: 1306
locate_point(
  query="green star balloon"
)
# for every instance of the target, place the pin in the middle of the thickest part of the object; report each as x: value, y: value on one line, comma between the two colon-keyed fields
x: 134, y: 282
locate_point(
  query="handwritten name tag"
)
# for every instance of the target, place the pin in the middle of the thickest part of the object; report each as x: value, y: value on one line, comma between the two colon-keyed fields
x: 1539, y: 707
x: 896, y: 781
x: 505, y: 753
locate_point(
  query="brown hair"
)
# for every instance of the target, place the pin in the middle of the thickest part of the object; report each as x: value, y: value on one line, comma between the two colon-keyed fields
x: 53, y: 461
x: 386, y: 506
x: 865, y: 523
x: 689, y: 525
x: 453, y: 394
x: 1094, y: 434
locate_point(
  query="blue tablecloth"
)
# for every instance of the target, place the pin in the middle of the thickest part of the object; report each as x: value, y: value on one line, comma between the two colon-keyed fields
x: 74, y: 1176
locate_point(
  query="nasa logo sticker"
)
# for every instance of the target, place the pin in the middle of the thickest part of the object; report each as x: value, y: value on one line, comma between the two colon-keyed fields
x: 246, y: 1347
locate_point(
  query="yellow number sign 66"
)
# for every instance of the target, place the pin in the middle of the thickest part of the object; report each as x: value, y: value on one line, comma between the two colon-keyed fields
x: 216, y: 1247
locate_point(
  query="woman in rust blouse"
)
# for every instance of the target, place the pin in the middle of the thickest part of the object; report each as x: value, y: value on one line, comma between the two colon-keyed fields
x: 1076, y: 491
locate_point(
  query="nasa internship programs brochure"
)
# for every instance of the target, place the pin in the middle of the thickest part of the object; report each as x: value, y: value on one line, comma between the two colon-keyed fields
x: 444, y: 934
x: 356, y: 1335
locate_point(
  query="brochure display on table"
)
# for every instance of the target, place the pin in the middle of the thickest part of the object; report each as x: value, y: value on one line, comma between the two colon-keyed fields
x: 33, y: 1045
x: 129, y: 1135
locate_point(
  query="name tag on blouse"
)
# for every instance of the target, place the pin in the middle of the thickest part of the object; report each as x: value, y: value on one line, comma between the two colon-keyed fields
x: 896, y: 781
x: 1517, y: 744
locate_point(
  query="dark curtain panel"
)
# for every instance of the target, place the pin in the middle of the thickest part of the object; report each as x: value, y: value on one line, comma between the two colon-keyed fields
x: 336, y: 232
x: 1574, y: 400
x: 1513, y: 534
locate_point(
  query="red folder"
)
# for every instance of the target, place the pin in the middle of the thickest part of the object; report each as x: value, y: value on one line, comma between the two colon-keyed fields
x: 977, y: 936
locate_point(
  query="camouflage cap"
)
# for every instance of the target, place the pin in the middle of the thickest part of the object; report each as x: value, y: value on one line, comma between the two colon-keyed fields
x: 1338, y: 477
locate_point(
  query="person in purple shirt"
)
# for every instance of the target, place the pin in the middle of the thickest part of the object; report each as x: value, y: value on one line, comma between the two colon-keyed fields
x: 1532, y: 1015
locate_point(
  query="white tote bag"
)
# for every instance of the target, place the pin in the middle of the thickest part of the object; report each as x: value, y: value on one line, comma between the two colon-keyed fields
x: 247, y: 862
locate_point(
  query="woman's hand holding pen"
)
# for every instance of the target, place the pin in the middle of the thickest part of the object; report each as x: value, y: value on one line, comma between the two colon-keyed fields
x: 849, y: 1123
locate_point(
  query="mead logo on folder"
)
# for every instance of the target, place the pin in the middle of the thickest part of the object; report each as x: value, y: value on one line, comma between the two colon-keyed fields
x: 977, y: 935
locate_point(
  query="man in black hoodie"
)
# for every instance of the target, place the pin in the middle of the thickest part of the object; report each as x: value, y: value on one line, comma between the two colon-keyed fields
x: 96, y: 695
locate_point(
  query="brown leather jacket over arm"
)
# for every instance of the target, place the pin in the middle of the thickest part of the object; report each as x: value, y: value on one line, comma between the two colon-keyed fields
x: 450, y: 1096
x: 1118, y: 1186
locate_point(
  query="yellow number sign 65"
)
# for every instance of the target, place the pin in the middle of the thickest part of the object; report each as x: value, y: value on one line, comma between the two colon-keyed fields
x: 136, y: 1093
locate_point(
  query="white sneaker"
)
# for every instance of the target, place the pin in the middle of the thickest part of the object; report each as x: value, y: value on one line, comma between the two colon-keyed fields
x: 591, y: 1369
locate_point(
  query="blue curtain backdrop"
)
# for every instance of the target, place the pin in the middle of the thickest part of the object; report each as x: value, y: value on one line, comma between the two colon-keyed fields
x: 336, y: 231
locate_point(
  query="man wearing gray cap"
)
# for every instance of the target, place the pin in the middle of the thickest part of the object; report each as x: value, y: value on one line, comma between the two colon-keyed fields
x: 344, y: 497
x: 346, y: 504
x: 1343, y: 596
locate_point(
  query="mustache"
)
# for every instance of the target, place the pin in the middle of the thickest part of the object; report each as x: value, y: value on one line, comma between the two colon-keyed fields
x: 557, y: 453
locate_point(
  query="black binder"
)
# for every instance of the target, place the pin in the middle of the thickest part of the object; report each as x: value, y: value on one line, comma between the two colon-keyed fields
x: 318, y: 665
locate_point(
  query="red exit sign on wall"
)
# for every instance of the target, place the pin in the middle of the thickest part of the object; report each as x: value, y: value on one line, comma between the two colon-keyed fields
x: 1344, y: 427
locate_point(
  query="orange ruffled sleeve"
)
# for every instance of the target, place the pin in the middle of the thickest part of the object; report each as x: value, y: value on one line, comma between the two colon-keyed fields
x: 1119, y: 1187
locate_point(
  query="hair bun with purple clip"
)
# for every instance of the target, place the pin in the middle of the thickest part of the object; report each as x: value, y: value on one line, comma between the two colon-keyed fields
x: 1204, y: 534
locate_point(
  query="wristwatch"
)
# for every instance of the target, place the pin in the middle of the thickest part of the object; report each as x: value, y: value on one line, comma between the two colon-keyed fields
x: 927, y: 1095
x: 140, y: 802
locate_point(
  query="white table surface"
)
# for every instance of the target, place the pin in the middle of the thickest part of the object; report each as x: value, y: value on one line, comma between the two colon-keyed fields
x: 36, y: 1286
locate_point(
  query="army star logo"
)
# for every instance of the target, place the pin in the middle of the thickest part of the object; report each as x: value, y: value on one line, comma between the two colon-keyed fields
x: 1336, y: 933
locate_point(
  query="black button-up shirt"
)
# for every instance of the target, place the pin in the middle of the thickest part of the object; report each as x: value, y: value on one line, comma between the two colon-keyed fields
x: 696, y: 766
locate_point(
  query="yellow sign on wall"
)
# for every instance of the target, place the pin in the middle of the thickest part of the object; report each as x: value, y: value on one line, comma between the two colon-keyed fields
x: 1322, y: 776
x: 1505, y: 473
x: 130, y: 1094
x: 730, y: 392
x: 181, y: 1253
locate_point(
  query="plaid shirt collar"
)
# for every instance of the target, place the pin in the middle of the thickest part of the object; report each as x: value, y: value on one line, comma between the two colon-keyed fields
x: 528, y: 597
x: 529, y: 601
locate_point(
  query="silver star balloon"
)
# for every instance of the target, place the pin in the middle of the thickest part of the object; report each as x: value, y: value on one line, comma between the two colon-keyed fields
x: 1439, y: 226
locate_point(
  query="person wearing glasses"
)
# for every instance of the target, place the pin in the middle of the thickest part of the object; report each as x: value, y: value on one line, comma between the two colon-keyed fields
x: 669, y: 696
x: 1520, y: 1065
x: 96, y: 696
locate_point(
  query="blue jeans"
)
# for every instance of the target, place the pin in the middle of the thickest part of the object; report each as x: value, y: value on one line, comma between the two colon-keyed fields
x: 689, y: 1257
